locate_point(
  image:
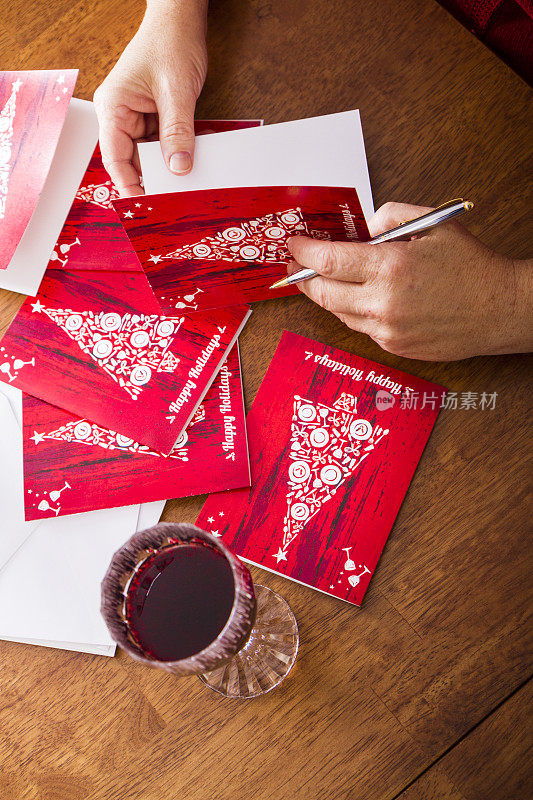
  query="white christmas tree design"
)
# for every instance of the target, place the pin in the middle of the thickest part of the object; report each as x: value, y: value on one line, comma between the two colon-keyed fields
x: 7, y: 116
x: 129, y: 348
x: 82, y: 431
x: 328, y: 443
x: 99, y: 194
x: 260, y: 240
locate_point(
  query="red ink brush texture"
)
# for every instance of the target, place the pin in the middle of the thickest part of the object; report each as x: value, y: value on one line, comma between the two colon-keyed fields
x: 33, y: 106
x: 72, y: 465
x: 333, y: 449
x: 96, y: 345
x: 213, y: 248
x: 92, y: 236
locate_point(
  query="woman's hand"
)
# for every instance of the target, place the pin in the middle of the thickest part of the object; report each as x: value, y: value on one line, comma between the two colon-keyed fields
x: 440, y: 297
x: 154, y: 85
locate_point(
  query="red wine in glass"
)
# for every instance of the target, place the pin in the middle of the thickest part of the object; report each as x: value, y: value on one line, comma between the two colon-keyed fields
x: 177, y: 598
x: 180, y: 600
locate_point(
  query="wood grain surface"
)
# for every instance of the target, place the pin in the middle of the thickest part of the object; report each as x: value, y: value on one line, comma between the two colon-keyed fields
x: 423, y: 693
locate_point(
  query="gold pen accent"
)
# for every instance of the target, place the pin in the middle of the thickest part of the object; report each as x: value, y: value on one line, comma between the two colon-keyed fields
x: 279, y: 284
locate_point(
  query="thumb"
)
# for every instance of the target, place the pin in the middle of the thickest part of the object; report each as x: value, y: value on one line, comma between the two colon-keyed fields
x: 176, y: 131
x: 341, y: 261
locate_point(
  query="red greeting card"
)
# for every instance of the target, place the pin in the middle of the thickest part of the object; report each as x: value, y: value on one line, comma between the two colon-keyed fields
x: 334, y: 441
x: 95, y: 344
x: 73, y: 465
x: 33, y: 106
x: 219, y: 247
x: 92, y: 236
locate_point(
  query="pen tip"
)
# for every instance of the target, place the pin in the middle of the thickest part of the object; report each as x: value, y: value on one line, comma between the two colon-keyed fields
x: 279, y: 284
x: 469, y: 205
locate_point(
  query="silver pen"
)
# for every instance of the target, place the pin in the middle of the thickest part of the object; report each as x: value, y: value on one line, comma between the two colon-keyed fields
x: 436, y: 217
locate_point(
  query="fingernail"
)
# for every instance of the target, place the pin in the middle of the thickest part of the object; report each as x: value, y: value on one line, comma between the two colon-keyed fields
x: 180, y: 162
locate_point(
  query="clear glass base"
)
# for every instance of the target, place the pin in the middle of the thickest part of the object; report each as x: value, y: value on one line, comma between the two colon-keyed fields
x: 268, y: 655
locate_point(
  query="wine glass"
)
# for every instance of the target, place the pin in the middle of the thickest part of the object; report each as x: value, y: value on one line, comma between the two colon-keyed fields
x: 175, y: 597
x: 56, y: 494
x: 350, y: 563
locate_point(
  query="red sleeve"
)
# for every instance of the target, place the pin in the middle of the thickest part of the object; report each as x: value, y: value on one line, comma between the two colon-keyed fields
x: 506, y: 26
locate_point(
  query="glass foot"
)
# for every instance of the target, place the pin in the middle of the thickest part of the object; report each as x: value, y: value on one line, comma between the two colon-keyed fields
x: 268, y: 655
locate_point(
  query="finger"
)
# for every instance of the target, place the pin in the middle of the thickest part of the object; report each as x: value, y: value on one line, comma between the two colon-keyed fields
x: 117, y: 150
x: 118, y: 125
x: 342, y: 261
x: 390, y: 215
x: 176, y: 130
x: 338, y: 297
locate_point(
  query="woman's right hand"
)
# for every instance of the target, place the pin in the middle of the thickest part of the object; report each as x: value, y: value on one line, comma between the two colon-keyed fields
x: 154, y: 86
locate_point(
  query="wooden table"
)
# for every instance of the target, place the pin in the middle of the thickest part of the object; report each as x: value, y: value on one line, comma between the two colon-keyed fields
x: 424, y: 693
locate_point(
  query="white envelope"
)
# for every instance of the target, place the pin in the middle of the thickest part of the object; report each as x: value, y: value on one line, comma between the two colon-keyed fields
x: 50, y: 582
x: 14, y: 396
x: 74, y: 149
x: 320, y: 151
x: 50, y: 588
x: 94, y: 649
x: 149, y: 514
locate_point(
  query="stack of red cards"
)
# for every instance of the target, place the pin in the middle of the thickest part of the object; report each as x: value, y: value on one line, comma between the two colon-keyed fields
x: 129, y: 361
x: 123, y: 403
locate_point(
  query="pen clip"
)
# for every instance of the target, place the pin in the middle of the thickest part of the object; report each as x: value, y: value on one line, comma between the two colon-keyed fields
x: 450, y: 203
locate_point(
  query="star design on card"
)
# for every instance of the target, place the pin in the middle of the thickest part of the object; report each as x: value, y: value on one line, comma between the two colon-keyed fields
x: 155, y: 259
x: 281, y: 555
x: 61, y: 79
x: 37, y: 307
x: 37, y: 437
x: 128, y: 214
x: 210, y: 520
